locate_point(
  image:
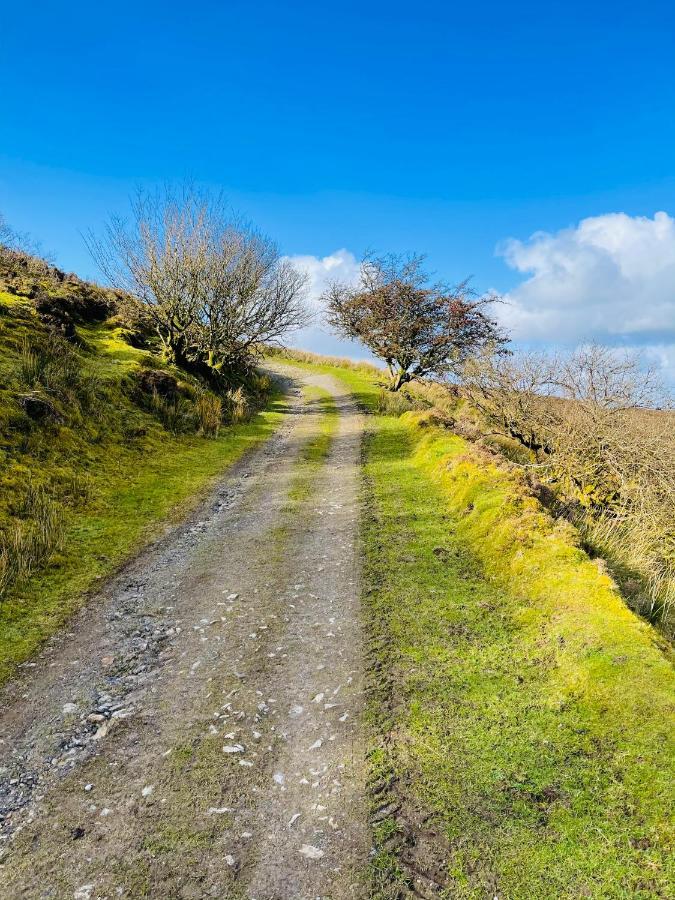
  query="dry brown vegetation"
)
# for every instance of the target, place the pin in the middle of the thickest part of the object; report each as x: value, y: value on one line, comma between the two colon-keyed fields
x: 588, y: 427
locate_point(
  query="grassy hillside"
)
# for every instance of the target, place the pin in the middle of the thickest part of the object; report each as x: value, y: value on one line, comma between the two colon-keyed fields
x: 99, y: 443
x: 521, y: 715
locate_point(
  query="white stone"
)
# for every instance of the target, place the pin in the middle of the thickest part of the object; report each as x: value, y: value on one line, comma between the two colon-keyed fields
x: 83, y: 892
x: 310, y: 852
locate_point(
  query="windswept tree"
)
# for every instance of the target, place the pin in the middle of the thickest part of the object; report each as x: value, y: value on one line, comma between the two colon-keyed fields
x: 418, y: 328
x: 212, y: 288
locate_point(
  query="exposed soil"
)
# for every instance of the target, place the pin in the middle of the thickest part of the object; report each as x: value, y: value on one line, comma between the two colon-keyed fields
x: 195, y: 732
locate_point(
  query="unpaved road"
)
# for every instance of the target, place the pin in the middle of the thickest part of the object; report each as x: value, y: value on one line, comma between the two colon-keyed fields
x: 195, y: 733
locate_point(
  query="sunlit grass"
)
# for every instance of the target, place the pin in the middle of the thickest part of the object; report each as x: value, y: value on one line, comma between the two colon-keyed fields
x: 515, y: 697
x: 115, y: 474
x: 315, y: 451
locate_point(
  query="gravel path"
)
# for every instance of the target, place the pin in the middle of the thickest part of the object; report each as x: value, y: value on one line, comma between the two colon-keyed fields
x: 195, y: 733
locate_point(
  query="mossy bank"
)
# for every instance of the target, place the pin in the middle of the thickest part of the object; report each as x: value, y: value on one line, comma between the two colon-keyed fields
x: 520, y: 714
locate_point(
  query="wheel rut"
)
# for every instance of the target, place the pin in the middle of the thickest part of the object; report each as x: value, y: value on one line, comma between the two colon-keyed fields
x: 195, y: 732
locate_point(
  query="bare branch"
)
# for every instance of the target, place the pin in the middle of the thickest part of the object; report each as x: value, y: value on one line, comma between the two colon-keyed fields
x: 212, y: 287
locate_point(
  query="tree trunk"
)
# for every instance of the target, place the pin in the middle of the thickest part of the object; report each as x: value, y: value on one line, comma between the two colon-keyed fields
x: 399, y: 379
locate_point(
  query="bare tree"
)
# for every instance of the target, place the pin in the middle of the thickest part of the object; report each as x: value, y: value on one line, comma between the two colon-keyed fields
x: 511, y: 393
x: 19, y: 244
x: 10, y: 239
x: 252, y: 297
x: 589, y: 422
x: 212, y: 288
x: 6, y: 233
x: 160, y: 259
x: 416, y: 327
x: 603, y: 378
x: 575, y: 407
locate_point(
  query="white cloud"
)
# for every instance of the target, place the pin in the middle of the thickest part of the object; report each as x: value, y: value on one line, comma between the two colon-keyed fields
x: 322, y: 270
x: 610, y: 278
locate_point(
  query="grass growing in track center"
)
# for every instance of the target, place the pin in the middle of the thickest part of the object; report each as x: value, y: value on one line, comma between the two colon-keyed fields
x: 515, y: 699
x: 307, y: 467
x: 315, y: 451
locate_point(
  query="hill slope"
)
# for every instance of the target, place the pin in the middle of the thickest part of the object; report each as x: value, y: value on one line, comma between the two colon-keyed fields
x: 99, y: 442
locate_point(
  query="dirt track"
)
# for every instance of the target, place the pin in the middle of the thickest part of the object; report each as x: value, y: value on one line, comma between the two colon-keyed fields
x: 195, y: 733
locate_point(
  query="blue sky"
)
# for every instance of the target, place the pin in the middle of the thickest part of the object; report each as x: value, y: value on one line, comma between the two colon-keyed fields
x: 437, y: 127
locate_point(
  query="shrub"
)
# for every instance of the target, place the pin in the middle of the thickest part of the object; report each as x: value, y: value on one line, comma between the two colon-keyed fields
x: 209, y: 414
x: 260, y: 383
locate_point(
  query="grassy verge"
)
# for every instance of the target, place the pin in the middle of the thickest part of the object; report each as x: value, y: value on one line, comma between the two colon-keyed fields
x: 132, y: 496
x: 521, y: 715
x: 86, y: 484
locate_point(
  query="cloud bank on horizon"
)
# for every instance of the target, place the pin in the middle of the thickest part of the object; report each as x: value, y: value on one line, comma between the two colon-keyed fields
x: 610, y: 278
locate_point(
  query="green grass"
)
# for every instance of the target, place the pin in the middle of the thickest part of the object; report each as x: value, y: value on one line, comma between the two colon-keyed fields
x: 307, y: 467
x: 514, y: 697
x: 115, y: 473
x: 361, y: 379
x: 133, y: 494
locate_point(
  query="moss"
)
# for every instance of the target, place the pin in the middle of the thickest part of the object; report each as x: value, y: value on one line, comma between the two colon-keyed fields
x: 514, y: 697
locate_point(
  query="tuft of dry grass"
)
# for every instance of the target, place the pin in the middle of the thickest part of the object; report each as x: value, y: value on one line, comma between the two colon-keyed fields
x: 31, y: 540
x: 209, y: 413
x: 239, y: 407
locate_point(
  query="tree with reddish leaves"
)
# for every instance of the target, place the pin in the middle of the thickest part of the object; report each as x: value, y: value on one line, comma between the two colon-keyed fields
x: 418, y: 328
